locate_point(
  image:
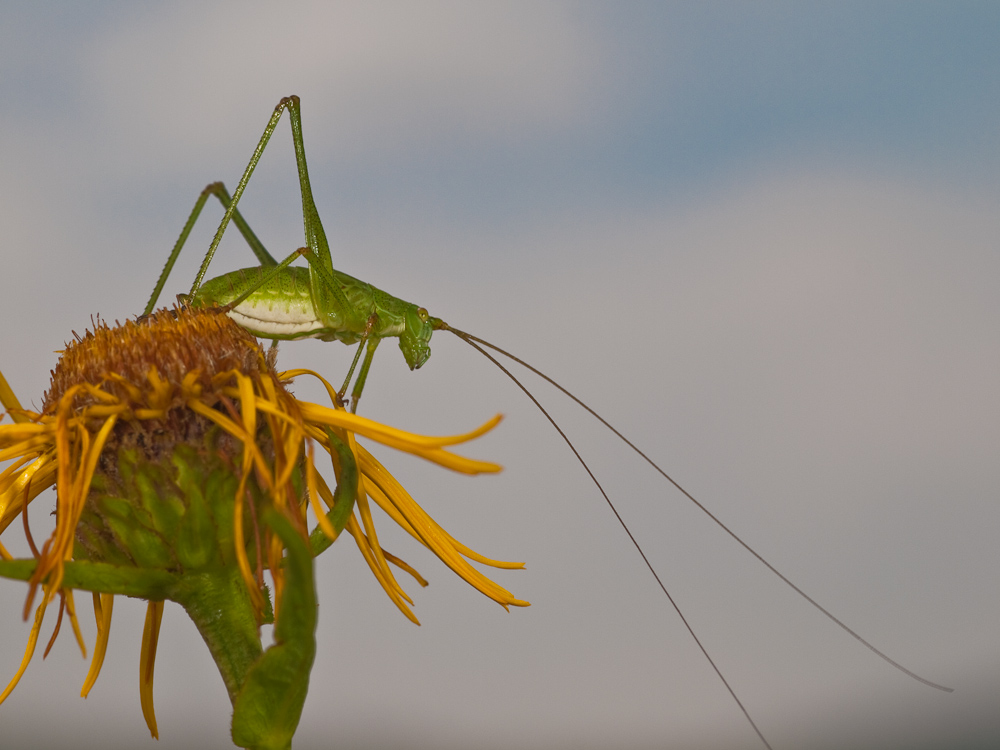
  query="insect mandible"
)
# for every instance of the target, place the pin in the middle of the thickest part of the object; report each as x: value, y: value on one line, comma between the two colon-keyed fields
x: 279, y: 301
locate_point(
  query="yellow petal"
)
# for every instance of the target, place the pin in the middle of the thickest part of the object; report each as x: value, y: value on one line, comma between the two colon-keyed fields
x: 103, y: 607
x: 147, y: 659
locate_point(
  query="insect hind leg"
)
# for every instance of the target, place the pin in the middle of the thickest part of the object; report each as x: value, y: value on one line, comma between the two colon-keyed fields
x: 217, y: 189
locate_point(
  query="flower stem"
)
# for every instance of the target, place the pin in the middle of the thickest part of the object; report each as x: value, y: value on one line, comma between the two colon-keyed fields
x: 218, y: 602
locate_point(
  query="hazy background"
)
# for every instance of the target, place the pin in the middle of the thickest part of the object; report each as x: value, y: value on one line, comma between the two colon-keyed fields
x: 764, y: 242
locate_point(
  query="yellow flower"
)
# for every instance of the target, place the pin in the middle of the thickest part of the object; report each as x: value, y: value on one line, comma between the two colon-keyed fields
x: 131, y: 412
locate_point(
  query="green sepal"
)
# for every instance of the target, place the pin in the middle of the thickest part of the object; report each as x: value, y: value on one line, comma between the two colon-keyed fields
x: 164, y: 508
x: 175, y: 514
x: 195, y: 536
x: 92, y: 540
x: 197, y: 540
x: 223, y: 484
x: 131, y: 527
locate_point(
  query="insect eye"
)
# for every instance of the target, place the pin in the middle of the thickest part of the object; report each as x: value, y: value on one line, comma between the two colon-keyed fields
x: 423, y: 314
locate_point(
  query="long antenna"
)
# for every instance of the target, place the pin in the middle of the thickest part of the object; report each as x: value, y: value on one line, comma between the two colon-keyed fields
x: 471, y: 341
x: 475, y: 341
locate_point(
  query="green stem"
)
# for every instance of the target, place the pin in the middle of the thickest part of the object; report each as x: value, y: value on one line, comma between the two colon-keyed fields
x: 144, y: 583
x: 220, y: 606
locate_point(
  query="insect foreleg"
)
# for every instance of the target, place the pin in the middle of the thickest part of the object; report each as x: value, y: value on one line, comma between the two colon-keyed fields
x: 219, y: 191
x: 359, y: 384
x: 350, y: 372
x: 363, y: 374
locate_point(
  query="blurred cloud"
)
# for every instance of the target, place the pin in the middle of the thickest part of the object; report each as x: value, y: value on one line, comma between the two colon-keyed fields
x: 380, y: 76
x: 762, y: 238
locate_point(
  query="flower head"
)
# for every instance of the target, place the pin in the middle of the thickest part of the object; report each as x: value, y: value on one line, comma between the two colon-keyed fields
x: 183, y: 464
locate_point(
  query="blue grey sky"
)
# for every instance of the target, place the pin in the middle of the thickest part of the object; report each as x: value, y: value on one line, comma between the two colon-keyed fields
x: 763, y: 241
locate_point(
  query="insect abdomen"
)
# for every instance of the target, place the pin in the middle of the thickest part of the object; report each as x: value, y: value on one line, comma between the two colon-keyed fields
x: 280, y: 309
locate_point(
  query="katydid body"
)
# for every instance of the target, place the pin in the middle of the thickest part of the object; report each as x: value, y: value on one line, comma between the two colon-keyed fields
x: 292, y: 302
x: 295, y: 304
x: 280, y: 302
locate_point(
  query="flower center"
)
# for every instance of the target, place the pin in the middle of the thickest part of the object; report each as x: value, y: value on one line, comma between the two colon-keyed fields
x: 174, y: 343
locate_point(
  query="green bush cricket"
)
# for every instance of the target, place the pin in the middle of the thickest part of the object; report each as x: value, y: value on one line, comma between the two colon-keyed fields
x: 278, y: 301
